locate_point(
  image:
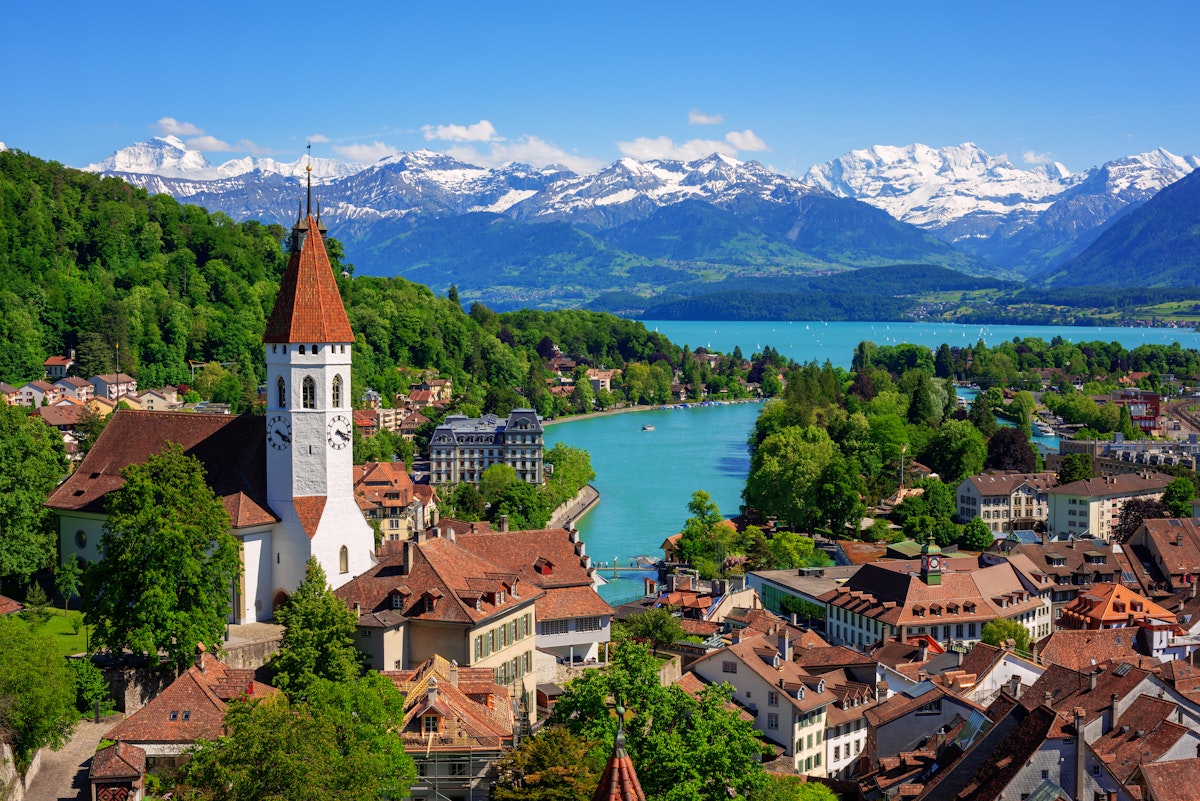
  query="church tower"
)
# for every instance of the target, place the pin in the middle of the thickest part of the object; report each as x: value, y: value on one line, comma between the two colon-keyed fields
x: 310, y: 483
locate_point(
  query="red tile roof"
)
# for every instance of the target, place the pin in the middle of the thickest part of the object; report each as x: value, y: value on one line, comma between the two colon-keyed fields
x: 119, y: 761
x: 1076, y: 648
x: 463, y: 587
x: 8, y: 605
x: 309, y: 307
x: 232, y: 450
x: 1143, y: 734
x: 474, y: 711
x: 619, y: 782
x: 192, y: 707
x: 1172, y: 781
x: 309, y: 509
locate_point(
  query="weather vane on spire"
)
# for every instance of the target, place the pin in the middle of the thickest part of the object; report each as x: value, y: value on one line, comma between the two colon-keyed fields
x: 308, y: 171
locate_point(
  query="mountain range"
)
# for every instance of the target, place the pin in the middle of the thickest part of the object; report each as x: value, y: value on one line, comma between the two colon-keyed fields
x: 640, y: 231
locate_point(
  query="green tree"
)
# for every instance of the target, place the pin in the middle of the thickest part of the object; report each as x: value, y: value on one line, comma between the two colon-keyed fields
x: 337, y: 743
x: 523, y: 505
x: 658, y: 627
x: 982, y: 417
x: 32, y: 462
x: 838, y: 496
x: 783, y: 472
x: 90, y: 686
x: 956, y: 451
x: 1133, y: 512
x: 169, y: 562
x: 789, y: 550
x: 318, y: 636
x: 683, y: 747
x: 781, y: 787
x: 495, y: 481
x: 553, y: 765
x: 37, y: 691
x: 66, y: 581
x: 466, y: 502
x: 1010, y: 449
x: 1075, y: 467
x: 1177, y: 497
x: 976, y: 535
x: 1000, y: 630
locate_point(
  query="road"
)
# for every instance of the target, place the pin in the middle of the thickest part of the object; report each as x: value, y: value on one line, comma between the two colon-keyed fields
x: 64, y: 773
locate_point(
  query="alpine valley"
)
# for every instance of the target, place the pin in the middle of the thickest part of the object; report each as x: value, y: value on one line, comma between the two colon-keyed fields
x: 657, y: 237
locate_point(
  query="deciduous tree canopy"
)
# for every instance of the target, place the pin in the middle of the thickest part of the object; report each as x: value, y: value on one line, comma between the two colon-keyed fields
x: 169, y: 562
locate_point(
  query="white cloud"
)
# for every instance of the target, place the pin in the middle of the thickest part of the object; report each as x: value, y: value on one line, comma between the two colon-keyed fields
x: 745, y: 140
x: 209, y: 144
x: 482, y: 131
x: 318, y: 138
x: 697, y: 117
x: 526, y: 150
x: 365, y: 153
x: 1032, y: 157
x: 661, y: 147
x: 169, y: 126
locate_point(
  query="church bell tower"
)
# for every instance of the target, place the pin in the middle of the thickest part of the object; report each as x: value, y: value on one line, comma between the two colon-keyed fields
x: 310, y: 427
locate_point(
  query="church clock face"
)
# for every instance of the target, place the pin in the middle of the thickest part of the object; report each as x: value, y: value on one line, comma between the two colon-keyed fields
x: 279, y: 432
x: 340, y: 433
x: 934, y: 563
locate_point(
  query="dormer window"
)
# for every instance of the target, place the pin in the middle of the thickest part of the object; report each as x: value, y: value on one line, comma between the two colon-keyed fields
x: 500, y: 597
x: 430, y: 723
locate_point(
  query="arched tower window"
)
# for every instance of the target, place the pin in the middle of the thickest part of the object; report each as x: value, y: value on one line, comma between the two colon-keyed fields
x: 343, y: 560
x: 337, y: 392
x: 310, y: 393
x: 281, y: 391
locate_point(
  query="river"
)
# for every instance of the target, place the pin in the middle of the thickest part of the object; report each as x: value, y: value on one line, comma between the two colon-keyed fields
x: 646, y: 478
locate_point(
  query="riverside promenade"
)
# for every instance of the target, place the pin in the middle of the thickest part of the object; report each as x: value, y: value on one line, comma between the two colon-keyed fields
x: 570, y: 512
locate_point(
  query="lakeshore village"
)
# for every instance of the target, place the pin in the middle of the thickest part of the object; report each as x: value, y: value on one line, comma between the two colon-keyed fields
x: 878, y: 674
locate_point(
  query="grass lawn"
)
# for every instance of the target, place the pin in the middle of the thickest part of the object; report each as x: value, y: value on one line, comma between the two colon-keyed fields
x: 59, y: 627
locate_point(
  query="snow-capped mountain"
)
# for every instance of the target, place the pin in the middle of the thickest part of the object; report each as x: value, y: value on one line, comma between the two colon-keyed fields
x: 935, y: 189
x: 169, y: 157
x: 630, y: 189
x: 1021, y: 218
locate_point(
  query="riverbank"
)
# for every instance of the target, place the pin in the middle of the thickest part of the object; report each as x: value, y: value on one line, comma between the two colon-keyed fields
x: 626, y: 409
x: 573, y: 510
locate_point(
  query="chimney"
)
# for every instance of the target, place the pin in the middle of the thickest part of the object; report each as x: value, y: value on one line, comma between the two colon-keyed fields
x: 1080, y: 751
x: 357, y: 608
x: 881, y: 692
x: 1092, y: 679
x: 1192, y: 590
x: 431, y: 693
x: 200, y: 649
x: 454, y: 672
x: 1014, y: 686
x: 1049, y: 698
x: 795, y: 619
x: 922, y: 652
x: 1114, y: 710
x: 407, y: 560
x: 785, y: 646
x: 503, y: 523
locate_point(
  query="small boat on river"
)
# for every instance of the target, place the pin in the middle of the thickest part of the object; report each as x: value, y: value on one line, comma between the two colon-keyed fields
x: 647, y: 427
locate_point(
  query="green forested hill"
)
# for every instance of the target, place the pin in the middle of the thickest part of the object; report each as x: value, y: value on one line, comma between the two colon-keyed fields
x: 93, y: 264
x: 1156, y: 245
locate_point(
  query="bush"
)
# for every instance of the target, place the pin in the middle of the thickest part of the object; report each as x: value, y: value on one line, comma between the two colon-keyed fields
x: 90, y: 686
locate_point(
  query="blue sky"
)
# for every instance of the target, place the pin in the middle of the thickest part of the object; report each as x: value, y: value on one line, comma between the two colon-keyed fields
x: 789, y: 84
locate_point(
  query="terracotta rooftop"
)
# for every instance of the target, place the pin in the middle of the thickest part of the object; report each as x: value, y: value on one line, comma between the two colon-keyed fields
x: 1144, y: 733
x: 1176, y: 543
x: 309, y: 307
x: 192, y: 707
x: 474, y: 712
x: 1076, y: 648
x: 693, y: 685
x: 1172, y: 781
x: 1104, y: 605
x: 619, y: 782
x: 8, y: 605
x: 119, y: 761
x: 438, y: 580
x: 1005, y: 483
x: 803, y: 691
x: 1115, y: 485
x: 231, y: 448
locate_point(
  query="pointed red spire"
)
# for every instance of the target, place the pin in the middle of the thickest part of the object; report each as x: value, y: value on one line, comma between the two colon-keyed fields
x: 619, y: 781
x: 309, y: 307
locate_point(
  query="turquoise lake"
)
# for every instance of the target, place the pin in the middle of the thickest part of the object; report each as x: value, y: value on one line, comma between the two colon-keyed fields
x: 646, y: 478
